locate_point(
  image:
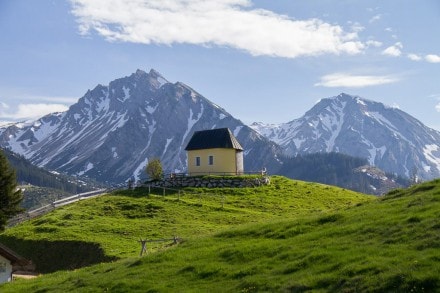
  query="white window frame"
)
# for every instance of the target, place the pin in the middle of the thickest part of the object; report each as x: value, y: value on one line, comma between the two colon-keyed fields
x: 198, y: 161
x: 211, y: 160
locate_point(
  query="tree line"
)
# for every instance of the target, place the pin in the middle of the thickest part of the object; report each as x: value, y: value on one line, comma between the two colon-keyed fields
x: 28, y: 173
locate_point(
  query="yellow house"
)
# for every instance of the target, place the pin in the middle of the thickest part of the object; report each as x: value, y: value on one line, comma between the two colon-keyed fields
x: 214, y: 151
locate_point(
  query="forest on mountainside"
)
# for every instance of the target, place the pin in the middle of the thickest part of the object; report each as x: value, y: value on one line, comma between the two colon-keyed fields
x: 27, y: 173
x: 339, y: 170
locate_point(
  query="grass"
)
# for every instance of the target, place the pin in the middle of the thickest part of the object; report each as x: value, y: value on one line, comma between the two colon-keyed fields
x: 278, y: 243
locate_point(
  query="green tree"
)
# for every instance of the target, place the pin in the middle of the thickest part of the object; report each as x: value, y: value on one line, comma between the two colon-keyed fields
x: 10, y: 196
x: 154, y: 169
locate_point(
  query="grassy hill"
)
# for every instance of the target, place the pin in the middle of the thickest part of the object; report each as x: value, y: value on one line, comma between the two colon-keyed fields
x: 289, y: 236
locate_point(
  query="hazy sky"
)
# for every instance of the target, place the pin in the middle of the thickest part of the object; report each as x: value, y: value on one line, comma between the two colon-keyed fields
x: 265, y: 60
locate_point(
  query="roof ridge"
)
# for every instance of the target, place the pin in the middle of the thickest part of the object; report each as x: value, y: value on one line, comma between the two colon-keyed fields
x: 213, y: 138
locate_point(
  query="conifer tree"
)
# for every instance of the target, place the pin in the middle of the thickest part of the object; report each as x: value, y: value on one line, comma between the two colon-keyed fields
x: 10, y: 197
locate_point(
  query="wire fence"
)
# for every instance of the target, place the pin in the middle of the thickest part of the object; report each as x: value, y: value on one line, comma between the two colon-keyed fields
x: 187, y: 196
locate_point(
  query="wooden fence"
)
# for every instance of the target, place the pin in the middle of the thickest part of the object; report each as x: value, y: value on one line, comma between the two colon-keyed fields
x: 144, y: 242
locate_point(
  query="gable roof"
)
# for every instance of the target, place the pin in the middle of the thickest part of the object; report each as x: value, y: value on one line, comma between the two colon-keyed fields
x: 212, y: 139
x: 10, y: 255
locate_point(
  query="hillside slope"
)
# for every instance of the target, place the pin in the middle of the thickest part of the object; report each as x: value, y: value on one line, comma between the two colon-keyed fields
x: 343, y: 171
x: 116, y: 222
x: 28, y: 173
x: 385, y: 245
x: 41, y: 187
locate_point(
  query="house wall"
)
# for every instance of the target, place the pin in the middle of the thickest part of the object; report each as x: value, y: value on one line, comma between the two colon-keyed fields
x: 5, y: 270
x: 225, y: 162
x: 239, y: 160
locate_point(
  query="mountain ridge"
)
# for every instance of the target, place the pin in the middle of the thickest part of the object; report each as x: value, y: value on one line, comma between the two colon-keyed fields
x: 112, y: 131
x: 388, y: 137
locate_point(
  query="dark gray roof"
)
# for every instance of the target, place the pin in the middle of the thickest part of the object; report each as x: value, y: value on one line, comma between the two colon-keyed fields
x: 9, y: 254
x: 212, y: 139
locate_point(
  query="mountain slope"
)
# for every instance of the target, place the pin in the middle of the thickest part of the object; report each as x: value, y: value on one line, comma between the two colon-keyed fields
x: 388, y: 137
x: 343, y: 171
x: 386, y: 245
x: 29, y: 174
x: 113, y: 130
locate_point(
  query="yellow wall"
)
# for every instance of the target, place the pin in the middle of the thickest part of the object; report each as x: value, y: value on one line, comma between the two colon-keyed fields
x: 224, y: 162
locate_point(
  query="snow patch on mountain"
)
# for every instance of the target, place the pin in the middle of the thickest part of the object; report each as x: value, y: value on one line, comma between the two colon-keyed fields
x: 192, y: 121
x: 139, y: 169
x: 432, y: 154
x: 126, y: 94
x: 387, y: 137
x: 237, y: 130
x: 87, y: 168
x: 169, y: 140
x: 114, y: 152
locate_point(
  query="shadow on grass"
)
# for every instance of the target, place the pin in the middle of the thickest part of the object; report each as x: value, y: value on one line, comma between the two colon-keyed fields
x: 51, y: 256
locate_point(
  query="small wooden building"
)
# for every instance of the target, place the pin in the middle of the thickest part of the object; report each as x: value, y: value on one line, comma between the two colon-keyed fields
x: 12, y: 264
x: 214, y: 152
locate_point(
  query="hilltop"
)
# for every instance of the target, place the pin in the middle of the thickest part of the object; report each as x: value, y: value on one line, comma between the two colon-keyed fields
x: 289, y: 236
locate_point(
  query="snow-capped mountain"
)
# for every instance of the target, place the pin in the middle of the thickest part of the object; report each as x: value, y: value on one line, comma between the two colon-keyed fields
x: 112, y: 131
x: 388, y: 137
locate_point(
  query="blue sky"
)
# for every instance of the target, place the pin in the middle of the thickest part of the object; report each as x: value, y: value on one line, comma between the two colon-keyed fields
x: 264, y: 60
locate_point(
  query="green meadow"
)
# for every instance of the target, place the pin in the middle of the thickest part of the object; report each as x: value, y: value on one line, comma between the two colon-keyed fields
x: 290, y: 236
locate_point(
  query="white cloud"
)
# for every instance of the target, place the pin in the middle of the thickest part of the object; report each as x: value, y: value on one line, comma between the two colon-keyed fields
x: 394, y: 50
x: 354, y: 81
x: 414, y: 57
x: 432, y: 58
x: 372, y: 43
x: 375, y: 18
x: 437, y: 107
x: 230, y: 23
x: 31, y: 111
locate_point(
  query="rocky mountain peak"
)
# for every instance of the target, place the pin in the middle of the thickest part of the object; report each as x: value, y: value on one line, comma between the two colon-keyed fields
x: 387, y: 137
x: 112, y: 132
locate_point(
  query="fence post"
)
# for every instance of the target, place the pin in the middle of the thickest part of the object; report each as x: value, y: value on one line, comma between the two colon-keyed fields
x: 144, y: 246
x: 164, y: 191
x: 178, y: 196
x: 149, y: 189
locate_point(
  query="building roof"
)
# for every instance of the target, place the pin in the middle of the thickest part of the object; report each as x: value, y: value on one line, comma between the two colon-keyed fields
x: 212, y: 139
x: 10, y: 255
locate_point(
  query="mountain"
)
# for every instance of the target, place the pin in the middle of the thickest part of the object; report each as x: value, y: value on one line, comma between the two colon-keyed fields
x: 387, y: 137
x: 41, y: 187
x: 29, y: 174
x: 112, y: 131
x: 343, y: 171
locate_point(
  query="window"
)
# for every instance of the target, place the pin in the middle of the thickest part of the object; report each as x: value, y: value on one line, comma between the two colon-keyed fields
x: 197, y: 161
x: 211, y: 160
x: 2, y: 267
